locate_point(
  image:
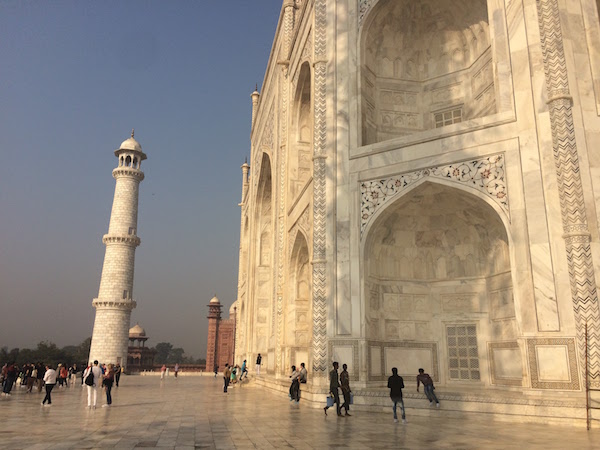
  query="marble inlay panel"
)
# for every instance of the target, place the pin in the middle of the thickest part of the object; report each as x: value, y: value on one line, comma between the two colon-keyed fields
x: 486, y: 175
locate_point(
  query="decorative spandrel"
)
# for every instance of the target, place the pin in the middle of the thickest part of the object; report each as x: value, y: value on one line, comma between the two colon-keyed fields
x: 486, y: 175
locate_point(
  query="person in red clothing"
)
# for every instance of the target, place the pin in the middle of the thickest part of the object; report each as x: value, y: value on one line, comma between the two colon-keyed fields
x: 428, y: 387
x: 64, y: 374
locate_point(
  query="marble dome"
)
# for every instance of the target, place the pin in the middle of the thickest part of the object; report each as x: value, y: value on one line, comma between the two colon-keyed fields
x: 137, y: 331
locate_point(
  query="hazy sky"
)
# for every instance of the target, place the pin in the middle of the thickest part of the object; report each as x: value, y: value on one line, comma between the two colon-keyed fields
x: 75, y: 78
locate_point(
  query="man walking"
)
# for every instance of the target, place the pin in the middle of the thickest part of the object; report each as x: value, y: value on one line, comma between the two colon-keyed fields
x: 428, y: 387
x: 117, y: 374
x: 92, y: 377
x: 226, y: 376
x: 258, y: 362
x: 50, y: 382
x: 345, y: 384
x: 334, y: 384
x: 396, y: 384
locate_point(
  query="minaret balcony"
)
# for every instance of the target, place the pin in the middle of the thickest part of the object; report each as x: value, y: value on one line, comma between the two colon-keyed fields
x: 127, y: 172
x: 126, y: 304
x: 123, y: 239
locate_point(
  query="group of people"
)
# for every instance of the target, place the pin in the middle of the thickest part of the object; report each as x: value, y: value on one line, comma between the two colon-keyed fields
x: 46, y: 376
x: 164, y: 371
x: 233, y: 374
x: 298, y: 377
x: 395, y: 385
x: 335, y: 383
x: 95, y: 376
x: 30, y: 375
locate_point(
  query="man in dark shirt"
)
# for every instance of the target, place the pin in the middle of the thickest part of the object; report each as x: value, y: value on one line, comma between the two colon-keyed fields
x: 334, y: 384
x: 345, y: 384
x: 396, y: 384
x: 427, y: 387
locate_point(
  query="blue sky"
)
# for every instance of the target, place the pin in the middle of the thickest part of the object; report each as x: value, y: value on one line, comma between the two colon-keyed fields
x: 75, y: 77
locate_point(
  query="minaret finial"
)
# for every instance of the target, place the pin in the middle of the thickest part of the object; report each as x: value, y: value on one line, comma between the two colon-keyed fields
x: 132, y: 132
x: 246, y: 160
x: 256, y: 88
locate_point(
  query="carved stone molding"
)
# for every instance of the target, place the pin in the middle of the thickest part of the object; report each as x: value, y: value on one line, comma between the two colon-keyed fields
x: 486, y: 175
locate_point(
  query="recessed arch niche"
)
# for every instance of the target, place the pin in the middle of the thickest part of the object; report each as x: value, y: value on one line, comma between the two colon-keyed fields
x: 298, y: 316
x: 437, y: 261
x: 263, y: 258
x: 300, y: 154
x: 424, y: 64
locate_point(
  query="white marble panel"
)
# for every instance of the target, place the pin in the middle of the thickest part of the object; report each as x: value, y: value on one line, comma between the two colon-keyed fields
x: 301, y: 357
x: 375, y: 361
x: 344, y: 355
x: 407, y: 360
x: 553, y: 363
x: 507, y: 363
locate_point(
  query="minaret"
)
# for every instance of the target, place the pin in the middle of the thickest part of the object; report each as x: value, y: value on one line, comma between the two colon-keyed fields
x: 255, y: 96
x: 212, y: 344
x: 114, y: 303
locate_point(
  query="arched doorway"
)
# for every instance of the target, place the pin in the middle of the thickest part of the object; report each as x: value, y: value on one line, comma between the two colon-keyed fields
x: 301, y: 135
x: 262, y: 292
x: 438, y: 285
x: 298, y: 311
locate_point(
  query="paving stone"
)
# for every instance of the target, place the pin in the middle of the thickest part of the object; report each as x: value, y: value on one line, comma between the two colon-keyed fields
x: 149, y: 414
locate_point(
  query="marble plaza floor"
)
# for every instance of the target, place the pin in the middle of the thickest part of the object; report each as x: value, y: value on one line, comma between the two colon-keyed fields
x: 194, y: 413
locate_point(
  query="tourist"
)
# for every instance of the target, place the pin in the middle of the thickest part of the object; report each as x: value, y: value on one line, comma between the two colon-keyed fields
x: 176, y: 370
x: 40, y: 376
x: 345, y: 385
x: 118, y: 370
x: 64, y: 374
x: 216, y: 370
x: 334, y: 385
x: 258, y: 363
x: 92, y: 377
x: 50, y: 382
x: 396, y: 384
x: 167, y: 372
x: 428, y: 387
x: 244, y: 371
x: 226, y: 375
x: 295, y: 386
x: 233, y: 374
x: 303, y: 374
x: 163, y: 369
x: 107, y: 382
x: 31, y: 377
x: 73, y: 374
x: 10, y: 375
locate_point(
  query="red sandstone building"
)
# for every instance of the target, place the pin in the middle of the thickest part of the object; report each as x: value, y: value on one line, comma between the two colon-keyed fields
x: 139, y: 357
x: 220, y: 345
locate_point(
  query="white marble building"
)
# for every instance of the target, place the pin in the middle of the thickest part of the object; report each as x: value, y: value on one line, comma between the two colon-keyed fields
x: 424, y: 191
x: 114, y: 304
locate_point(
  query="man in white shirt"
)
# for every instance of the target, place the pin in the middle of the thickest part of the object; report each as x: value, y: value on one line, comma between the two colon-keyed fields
x: 95, y: 372
x: 49, y: 382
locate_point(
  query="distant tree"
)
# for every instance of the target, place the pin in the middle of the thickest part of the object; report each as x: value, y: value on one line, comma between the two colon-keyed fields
x: 162, y: 352
x: 175, y: 355
x: 83, y: 352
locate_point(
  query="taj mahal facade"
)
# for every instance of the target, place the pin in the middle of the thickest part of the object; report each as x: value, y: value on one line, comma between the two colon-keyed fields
x: 424, y: 191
